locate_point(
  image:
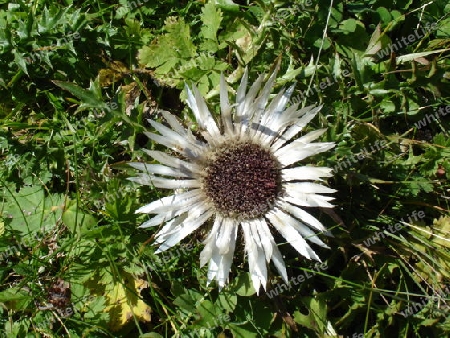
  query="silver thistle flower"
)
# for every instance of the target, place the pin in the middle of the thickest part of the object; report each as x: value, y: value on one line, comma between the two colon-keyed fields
x: 241, y: 174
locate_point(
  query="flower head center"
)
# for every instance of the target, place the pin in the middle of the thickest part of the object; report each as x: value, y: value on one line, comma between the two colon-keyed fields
x: 242, y: 180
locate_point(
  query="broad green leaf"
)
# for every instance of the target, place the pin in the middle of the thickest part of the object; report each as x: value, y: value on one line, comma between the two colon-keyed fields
x: 336, y: 15
x: 444, y: 28
x: 15, y: 298
x: 188, y: 301
x: 348, y: 25
x: 31, y: 211
x: 384, y: 14
x: 323, y: 43
x: 151, y: 335
x: 243, y: 285
x: 243, y: 330
x: 208, y: 314
x: 227, y: 301
x: 94, y: 309
x: 76, y: 220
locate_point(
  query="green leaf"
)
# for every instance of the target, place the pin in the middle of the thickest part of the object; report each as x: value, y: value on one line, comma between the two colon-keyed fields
x: 211, y: 18
x: 188, y: 301
x: 208, y: 314
x: 227, y: 301
x: 169, y: 48
x: 243, y: 285
x: 179, y: 37
x: 5, y: 40
x: 76, y: 220
x: 228, y: 5
x: 348, y: 26
x: 316, y: 319
x: 154, y: 56
x: 384, y: 14
x: 242, y: 330
x: 15, y: 298
x: 336, y: 15
x: 94, y: 308
x: 444, y: 28
x: 89, y: 98
x: 151, y: 335
x: 416, y: 187
x: 30, y: 211
x: 326, y: 43
x: 18, y: 328
x: 20, y: 61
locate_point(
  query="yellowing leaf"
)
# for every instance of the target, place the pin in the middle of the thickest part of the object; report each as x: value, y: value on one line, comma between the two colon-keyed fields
x: 442, y: 228
x: 378, y: 41
x: 435, y: 268
x: 115, y: 72
x: 123, y: 302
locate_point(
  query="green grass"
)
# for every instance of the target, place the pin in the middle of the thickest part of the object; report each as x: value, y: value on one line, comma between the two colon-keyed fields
x: 78, y: 81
